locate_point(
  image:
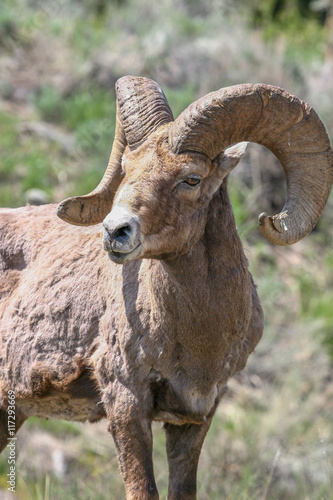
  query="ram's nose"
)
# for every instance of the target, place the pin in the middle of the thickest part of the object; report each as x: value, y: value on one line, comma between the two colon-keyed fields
x: 121, y: 231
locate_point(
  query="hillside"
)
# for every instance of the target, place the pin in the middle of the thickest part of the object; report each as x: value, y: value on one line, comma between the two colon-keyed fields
x: 272, y: 437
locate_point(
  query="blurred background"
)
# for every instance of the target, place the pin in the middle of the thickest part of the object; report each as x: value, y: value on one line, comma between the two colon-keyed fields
x: 272, y: 437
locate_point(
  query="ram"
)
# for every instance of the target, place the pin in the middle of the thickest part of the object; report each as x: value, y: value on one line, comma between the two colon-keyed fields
x: 158, y: 337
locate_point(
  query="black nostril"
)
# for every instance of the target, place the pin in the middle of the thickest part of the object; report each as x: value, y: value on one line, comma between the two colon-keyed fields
x: 122, y: 233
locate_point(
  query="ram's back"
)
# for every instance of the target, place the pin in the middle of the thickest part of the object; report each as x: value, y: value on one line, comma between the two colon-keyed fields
x: 51, y: 300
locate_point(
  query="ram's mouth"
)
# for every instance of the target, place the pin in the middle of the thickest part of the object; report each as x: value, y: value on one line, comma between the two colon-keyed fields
x: 122, y: 257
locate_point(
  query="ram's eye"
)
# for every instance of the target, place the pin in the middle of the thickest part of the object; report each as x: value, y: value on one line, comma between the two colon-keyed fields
x: 192, y: 181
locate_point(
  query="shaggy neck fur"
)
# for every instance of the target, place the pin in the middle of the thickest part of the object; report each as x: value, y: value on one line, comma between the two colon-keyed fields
x: 174, y: 354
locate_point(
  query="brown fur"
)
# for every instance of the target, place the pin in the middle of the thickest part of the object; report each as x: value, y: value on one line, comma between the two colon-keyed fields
x: 154, y: 339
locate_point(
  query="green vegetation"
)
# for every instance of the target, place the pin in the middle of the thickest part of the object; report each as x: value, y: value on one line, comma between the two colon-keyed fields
x: 23, y: 164
x: 272, y: 437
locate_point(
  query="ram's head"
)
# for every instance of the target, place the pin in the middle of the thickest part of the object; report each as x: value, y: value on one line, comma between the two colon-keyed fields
x: 154, y: 196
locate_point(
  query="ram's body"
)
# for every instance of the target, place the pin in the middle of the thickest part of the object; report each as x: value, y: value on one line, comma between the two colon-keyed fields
x: 65, y: 305
x: 51, y: 305
x: 157, y: 338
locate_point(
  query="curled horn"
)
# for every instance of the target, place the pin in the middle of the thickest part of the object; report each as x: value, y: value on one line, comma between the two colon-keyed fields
x: 93, y: 207
x: 141, y: 109
x: 284, y: 124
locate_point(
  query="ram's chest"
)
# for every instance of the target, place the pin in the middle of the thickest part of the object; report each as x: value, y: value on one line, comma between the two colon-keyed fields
x: 187, y: 387
x: 176, y: 342
x: 184, y: 365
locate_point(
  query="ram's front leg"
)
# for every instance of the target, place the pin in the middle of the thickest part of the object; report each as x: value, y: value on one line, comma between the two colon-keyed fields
x: 130, y: 426
x: 184, y: 443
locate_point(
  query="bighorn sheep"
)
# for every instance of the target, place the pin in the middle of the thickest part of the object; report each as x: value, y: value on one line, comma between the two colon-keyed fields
x: 158, y: 337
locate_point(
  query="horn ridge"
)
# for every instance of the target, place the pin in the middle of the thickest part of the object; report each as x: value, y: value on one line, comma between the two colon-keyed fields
x: 143, y: 108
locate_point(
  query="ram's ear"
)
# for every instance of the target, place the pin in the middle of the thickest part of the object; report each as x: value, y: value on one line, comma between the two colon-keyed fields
x: 228, y: 159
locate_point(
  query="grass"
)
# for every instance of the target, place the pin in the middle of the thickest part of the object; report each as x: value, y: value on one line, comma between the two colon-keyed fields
x: 88, y: 104
x: 31, y: 161
x: 24, y: 166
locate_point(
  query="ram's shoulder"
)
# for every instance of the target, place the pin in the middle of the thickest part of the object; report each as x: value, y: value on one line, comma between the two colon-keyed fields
x: 35, y: 238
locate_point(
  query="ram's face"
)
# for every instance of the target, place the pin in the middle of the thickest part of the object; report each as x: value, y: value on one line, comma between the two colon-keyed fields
x: 160, y: 208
